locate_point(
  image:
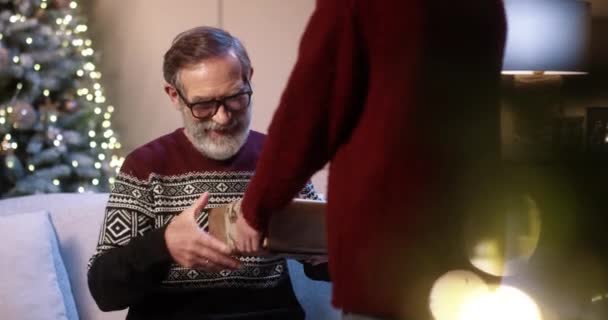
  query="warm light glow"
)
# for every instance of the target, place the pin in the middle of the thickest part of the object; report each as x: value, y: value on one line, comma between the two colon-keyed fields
x: 46, y: 92
x: 110, y: 109
x: 37, y: 67
x: 87, y: 52
x: 53, y: 118
x: 504, y: 303
x: 73, y: 4
x: 2, y: 120
x: 16, y: 59
x: 80, y: 28
x: 80, y: 189
x: 462, y: 295
x: 29, y: 40
x: 95, y: 182
x: 450, y: 292
x: 67, y: 19
x: 503, y: 237
x: 101, y: 156
x: 106, y: 124
x: 75, y: 164
x: 10, y: 164
x: 111, y: 180
x: 56, y: 182
x: 97, y: 165
x: 43, y: 5
x: 89, y: 66
x: 56, y: 143
x: 14, y: 145
x: 107, y: 116
x: 80, y: 73
x: 92, y: 134
x: 31, y: 167
x: 97, y: 110
x: 19, y: 86
x: 92, y: 144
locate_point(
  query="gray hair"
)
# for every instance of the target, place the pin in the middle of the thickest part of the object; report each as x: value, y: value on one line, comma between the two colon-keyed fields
x: 192, y: 46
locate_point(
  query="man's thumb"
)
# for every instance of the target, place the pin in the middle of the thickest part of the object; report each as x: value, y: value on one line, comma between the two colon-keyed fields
x: 199, y: 204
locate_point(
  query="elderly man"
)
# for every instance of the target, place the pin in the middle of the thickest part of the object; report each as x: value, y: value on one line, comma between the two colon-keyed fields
x: 154, y: 255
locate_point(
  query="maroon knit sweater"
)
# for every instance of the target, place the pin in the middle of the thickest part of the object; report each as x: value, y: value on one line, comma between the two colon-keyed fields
x: 401, y: 97
x: 132, y: 266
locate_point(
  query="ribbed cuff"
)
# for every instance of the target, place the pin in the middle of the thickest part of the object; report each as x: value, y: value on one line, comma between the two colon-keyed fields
x: 151, y: 250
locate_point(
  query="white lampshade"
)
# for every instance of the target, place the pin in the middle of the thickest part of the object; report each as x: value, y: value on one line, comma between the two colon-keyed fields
x: 549, y: 36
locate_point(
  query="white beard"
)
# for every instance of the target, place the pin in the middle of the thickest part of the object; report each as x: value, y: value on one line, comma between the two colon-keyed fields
x: 218, y: 148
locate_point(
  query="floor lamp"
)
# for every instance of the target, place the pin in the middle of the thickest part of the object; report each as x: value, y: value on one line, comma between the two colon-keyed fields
x: 547, y: 40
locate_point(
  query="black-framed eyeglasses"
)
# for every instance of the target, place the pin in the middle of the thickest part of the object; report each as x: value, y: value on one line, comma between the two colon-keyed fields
x: 207, y: 109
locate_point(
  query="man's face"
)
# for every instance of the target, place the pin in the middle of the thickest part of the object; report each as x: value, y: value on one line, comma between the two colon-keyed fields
x: 222, y: 135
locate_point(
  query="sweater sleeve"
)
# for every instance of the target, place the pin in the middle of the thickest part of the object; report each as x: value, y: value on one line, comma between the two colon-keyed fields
x: 319, y: 108
x: 131, y: 258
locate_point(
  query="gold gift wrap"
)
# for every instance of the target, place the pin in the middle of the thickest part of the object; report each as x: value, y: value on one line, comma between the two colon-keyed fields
x: 298, y: 231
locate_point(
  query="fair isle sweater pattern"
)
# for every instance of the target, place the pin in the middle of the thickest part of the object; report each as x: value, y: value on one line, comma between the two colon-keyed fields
x: 137, y: 206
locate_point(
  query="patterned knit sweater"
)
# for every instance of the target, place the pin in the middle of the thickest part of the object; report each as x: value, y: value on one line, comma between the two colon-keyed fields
x: 132, y: 266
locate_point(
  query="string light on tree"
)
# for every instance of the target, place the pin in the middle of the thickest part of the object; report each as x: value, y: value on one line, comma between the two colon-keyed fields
x: 68, y: 117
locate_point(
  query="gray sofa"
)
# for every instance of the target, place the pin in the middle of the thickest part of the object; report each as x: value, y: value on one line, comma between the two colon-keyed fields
x: 76, y: 219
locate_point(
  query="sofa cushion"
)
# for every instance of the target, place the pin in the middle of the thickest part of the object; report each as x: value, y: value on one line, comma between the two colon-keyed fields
x: 314, y: 296
x: 77, y: 219
x: 34, y: 283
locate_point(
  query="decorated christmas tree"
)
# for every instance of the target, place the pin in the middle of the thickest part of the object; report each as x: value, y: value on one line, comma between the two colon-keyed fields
x: 55, y: 129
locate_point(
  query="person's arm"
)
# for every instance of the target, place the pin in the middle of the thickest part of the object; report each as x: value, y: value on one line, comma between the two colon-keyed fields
x: 319, y: 108
x: 131, y: 258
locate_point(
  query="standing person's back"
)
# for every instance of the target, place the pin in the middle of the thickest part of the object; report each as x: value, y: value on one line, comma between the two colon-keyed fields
x: 402, y: 98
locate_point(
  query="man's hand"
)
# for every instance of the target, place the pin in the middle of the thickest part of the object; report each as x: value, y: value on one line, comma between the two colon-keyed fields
x: 247, y: 238
x: 191, y: 247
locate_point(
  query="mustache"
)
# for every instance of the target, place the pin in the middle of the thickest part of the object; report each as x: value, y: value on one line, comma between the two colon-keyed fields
x: 212, y: 125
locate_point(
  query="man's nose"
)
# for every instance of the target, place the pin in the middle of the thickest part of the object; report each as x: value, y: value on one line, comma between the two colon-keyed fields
x: 222, y: 116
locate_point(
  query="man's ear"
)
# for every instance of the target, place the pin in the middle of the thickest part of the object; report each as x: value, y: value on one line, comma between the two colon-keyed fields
x: 173, y: 96
x: 250, y: 73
